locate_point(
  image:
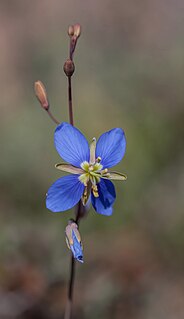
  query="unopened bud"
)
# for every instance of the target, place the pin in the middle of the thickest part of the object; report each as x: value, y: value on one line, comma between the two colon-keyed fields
x: 73, y: 240
x: 77, y: 30
x: 71, y: 30
x: 69, y: 67
x: 41, y: 94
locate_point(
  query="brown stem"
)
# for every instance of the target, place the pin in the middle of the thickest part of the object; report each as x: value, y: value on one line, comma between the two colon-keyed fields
x: 52, y: 117
x: 70, y: 100
x: 68, y: 311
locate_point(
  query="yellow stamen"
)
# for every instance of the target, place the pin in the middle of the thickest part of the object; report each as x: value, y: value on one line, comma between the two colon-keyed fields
x: 98, y: 159
x: 95, y: 190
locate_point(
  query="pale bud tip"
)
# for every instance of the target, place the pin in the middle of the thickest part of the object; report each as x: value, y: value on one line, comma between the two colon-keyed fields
x: 41, y: 94
x: 71, y: 30
x: 77, y: 30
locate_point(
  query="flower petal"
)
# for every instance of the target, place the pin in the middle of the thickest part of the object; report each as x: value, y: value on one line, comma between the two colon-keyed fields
x: 103, y: 203
x: 71, y: 144
x: 64, y: 193
x: 111, y: 147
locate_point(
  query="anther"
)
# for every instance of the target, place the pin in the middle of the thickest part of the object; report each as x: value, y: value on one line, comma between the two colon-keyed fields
x: 105, y: 171
x: 95, y: 190
x: 98, y: 159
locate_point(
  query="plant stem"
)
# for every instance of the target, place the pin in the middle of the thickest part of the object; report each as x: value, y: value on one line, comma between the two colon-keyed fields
x: 70, y: 100
x: 68, y: 311
x: 52, y: 117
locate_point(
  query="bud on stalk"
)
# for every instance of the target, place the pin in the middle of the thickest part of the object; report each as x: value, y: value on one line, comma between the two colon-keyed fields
x: 69, y: 67
x: 41, y: 94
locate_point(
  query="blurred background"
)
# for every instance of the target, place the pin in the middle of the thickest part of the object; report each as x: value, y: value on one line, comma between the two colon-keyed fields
x: 130, y: 74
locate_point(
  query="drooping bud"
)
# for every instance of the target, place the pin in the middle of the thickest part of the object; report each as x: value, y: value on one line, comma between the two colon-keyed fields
x: 71, y: 30
x: 77, y: 30
x: 41, y: 94
x: 69, y: 67
x: 73, y: 240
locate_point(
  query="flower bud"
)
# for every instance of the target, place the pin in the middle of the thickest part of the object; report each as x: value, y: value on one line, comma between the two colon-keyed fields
x: 73, y: 240
x: 77, y: 30
x: 71, y: 30
x: 41, y: 94
x: 69, y: 67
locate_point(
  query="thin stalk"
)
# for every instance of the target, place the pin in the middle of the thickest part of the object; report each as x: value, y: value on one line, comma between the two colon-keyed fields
x: 70, y: 101
x: 68, y: 311
x: 52, y: 117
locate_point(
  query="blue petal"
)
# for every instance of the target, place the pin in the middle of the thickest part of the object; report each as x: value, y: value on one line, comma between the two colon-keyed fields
x: 64, y: 193
x: 76, y: 248
x: 111, y: 147
x: 103, y: 203
x: 71, y: 144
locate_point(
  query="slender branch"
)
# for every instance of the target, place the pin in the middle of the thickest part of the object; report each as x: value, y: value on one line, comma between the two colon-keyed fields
x: 52, y: 117
x: 69, y: 68
x: 70, y: 100
x: 70, y: 292
x: 68, y: 311
x: 70, y: 50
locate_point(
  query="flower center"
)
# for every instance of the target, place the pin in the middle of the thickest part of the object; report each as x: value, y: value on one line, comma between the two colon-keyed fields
x: 91, y: 173
x: 90, y: 178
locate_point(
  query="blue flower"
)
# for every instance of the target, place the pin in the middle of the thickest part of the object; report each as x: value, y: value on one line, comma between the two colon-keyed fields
x: 89, y: 167
x: 73, y: 240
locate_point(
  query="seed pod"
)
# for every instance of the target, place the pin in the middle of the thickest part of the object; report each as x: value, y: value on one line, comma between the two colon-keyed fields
x: 69, y: 67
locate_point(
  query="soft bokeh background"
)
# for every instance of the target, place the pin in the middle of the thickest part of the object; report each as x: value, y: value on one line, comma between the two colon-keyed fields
x: 129, y: 73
